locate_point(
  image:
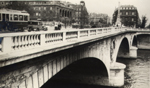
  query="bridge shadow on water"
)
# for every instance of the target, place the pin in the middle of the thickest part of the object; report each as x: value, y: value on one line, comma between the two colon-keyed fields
x: 85, y: 73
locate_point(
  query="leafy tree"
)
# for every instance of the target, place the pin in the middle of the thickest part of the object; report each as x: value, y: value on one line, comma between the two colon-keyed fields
x: 73, y: 21
x: 91, y: 23
x: 144, y: 21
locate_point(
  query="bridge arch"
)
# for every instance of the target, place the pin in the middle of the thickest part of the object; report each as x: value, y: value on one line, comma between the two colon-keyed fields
x: 122, y: 48
x: 81, y: 71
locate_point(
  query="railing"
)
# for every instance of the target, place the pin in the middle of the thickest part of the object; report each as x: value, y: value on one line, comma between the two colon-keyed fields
x: 11, y: 42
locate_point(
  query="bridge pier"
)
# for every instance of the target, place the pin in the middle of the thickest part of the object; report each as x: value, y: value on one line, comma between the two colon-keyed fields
x: 116, y: 78
x: 133, y: 52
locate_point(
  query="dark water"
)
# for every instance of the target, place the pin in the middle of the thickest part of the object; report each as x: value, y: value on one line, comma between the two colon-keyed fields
x: 137, y: 72
x: 137, y: 75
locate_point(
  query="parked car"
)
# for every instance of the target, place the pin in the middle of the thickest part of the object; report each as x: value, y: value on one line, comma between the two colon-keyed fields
x: 35, y: 25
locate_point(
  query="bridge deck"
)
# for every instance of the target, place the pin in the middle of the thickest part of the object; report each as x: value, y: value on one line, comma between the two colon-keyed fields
x: 18, y: 55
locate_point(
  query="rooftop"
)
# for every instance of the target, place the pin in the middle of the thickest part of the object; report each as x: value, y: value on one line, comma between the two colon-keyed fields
x: 127, y: 7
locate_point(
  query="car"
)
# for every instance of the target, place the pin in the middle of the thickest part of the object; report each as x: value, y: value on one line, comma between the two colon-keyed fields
x: 34, y: 25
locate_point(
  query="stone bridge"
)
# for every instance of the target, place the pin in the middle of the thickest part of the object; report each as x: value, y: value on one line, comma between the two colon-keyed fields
x: 29, y: 60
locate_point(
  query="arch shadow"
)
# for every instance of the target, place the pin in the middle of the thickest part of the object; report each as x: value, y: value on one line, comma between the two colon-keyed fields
x: 123, y: 51
x: 134, y: 41
x: 89, y: 71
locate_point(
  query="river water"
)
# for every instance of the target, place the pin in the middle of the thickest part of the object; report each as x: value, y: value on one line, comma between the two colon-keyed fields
x: 137, y: 75
x: 137, y: 72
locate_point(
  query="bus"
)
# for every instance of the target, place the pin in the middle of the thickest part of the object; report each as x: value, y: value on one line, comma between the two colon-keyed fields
x: 13, y: 20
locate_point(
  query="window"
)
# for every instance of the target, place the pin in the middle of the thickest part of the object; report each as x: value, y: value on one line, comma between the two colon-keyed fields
x: 51, y: 8
x: 44, y: 8
x: 132, y: 13
x: 79, y: 9
x: 34, y: 8
x: 25, y: 18
x: 20, y: 17
x: 123, y: 19
x: 15, y: 17
x: 132, y: 19
x: 39, y: 8
x: 120, y: 13
x: 37, y: 14
x: 132, y: 7
x: 126, y: 13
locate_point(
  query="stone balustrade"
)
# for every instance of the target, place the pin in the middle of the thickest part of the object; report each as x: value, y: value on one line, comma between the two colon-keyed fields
x: 11, y: 42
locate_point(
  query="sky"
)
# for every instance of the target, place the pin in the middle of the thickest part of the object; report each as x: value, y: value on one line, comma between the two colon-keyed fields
x: 108, y: 6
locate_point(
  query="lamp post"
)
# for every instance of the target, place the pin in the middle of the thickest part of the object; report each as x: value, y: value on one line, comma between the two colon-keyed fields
x: 82, y: 4
x: 65, y: 22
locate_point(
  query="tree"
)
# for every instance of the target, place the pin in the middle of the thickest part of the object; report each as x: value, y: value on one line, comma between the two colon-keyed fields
x: 91, y: 23
x: 20, y: 5
x: 144, y: 21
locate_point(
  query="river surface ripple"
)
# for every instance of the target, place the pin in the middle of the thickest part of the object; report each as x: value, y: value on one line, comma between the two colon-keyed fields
x: 137, y: 72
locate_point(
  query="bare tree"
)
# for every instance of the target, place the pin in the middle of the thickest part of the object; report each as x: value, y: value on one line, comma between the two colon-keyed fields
x: 144, y: 21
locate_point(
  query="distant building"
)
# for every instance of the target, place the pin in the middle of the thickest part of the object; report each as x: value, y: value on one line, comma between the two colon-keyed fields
x: 47, y: 10
x: 63, y: 11
x: 81, y: 14
x: 128, y: 14
x: 99, y: 19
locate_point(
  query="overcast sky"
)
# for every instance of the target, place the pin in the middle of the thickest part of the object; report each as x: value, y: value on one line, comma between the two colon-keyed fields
x: 108, y: 6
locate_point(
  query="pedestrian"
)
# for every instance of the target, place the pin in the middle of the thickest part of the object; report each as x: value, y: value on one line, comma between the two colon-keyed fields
x: 56, y: 26
x: 59, y: 26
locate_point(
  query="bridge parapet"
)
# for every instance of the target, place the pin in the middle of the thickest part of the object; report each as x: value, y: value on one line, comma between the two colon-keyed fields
x: 30, y: 41
x: 20, y: 41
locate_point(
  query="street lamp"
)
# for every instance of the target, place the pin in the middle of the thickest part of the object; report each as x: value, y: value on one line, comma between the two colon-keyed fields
x: 65, y: 22
x: 82, y: 4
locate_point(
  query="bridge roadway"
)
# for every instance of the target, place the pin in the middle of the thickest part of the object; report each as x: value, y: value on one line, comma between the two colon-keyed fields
x: 19, y: 47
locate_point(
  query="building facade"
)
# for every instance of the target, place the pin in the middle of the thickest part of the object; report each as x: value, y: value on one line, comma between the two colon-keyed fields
x: 62, y: 11
x: 128, y: 14
x: 81, y: 14
x: 46, y: 10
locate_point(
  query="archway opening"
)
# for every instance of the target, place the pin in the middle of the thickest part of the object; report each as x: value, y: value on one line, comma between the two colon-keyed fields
x: 134, y: 43
x: 84, y: 72
x: 123, y: 51
x: 143, y: 41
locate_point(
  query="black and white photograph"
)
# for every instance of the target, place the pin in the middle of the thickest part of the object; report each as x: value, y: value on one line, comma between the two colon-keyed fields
x: 74, y: 43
